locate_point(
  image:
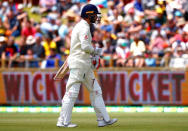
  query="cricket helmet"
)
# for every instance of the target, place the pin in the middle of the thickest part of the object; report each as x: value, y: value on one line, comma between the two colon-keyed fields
x: 91, y: 12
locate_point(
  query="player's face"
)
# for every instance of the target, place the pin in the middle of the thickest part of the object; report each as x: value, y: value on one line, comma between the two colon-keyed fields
x: 93, y: 18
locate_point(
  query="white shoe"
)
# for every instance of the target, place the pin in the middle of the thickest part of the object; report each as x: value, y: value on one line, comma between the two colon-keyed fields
x: 71, y: 125
x: 103, y: 123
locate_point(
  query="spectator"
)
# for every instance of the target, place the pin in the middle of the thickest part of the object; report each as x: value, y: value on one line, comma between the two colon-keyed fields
x: 45, y: 26
x: 116, y: 20
x: 27, y: 3
x: 160, y: 18
x: 148, y: 4
x: 4, y: 10
x: 46, y: 5
x: 52, y: 60
x: 136, y: 26
x: 138, y: 7
x: 178, y: 61
x: 158, y: 31
x: 171, y: 29
x: 38, y: 49
x: 10, y: 52
x: 177, y: 44
x: 143, y: 37
x: 166, y: 58
x: 21, y: 14
x: 123, y: 52
x: 2, y: 28
x: 61, y: 7
x: 53, y: 15
x: 2, y: 45
x: 111, y: 7
x: 158, y: 45
x: 12, y: 24
x: 185, y: 9
x: 108, y: 53
x: 137, y: 50
x: 24, y: 46
x: 28, y: 30
x: 150, y: 61
x: 76, y: 7
x: 179, y: 25
x: 30, y: 59
x: 129, y: 18
x: 47, y: 44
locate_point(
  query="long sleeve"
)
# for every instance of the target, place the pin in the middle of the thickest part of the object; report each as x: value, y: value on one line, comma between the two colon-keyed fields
x: 85, y: 41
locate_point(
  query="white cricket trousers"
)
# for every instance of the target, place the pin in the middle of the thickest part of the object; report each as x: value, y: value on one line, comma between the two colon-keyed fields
x: 86, y: 77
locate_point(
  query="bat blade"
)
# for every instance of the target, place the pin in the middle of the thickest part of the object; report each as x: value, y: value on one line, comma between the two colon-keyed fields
x: 62, y: 71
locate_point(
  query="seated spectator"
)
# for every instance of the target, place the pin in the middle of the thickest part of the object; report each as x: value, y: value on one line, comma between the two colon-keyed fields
x: 137, y: 50
x: 46, y: 27
x: 161, y: 18
x: 178, y: 61
x: 158, y: 31
x: 54, y: 15
x: 27, y: 3
x: 166, y: 58
x: 179, y: 25
x: 108, y: 51
x: 143, y: 37
x: 63, y: 6
x: 130, y: 16
x: 158, y: 44
x: 150, y: 61
x: 46, y: 5
x: 12, y: 24
x: 13, y: 5
x: 4, y: 10
x: 171, y: 29
x: 60, y: 39
x: 2, y: 28
x: 136, y: 26
x: 24, y: 46
x: 52, y: 60
x: 71, y: 17
x: 30, y: 59
x: 138, y: 7
x: 2, y: 45
x: 177, y: 44
x: 21, y: 14
x: 28, y: 30
x: 76, y: 6
x: 10, y: 52
x: 38, y: 49
x: 47, y: 44
x: 123, y: 52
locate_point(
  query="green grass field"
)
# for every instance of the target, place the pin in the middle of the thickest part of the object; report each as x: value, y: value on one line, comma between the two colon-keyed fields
x: 87, y: 122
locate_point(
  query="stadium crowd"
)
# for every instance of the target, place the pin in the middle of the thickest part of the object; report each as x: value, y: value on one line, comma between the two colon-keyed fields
x: 132, y: 33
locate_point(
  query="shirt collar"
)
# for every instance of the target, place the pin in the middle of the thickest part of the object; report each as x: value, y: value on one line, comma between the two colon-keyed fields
x: 85, y: 22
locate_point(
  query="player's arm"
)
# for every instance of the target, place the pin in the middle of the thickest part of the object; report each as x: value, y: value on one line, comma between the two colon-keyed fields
x: 85, y: 41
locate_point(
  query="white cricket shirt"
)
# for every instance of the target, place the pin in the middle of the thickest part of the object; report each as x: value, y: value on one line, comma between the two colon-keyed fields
x: 81, y: 46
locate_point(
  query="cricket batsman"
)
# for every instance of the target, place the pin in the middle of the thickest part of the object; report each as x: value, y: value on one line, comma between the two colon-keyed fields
x: 81, y: 71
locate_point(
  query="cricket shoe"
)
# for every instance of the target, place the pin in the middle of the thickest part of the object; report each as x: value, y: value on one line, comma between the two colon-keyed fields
x: 70, y: 125
x: 102, y: 123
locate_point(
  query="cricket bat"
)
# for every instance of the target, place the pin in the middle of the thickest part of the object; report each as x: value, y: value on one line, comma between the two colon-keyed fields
x: 62, y: 71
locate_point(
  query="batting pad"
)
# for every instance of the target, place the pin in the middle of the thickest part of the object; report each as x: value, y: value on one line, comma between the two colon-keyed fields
x: 98, y: 103
x: 68, y: 103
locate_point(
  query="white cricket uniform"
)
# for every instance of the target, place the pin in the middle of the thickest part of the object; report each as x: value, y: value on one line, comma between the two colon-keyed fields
x: 81, y: 71
x: 81, y: 46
